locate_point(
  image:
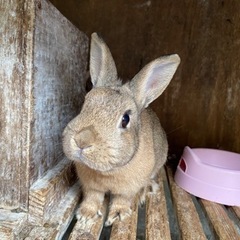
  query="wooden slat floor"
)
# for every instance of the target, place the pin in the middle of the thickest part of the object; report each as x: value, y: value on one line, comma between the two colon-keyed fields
x: 171, y: 213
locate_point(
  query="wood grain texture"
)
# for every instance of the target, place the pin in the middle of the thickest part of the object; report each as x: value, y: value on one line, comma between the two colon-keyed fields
x: 16, y: 72
x: 50, y: 225
x: 63, y: 213
x: 47, y: 192
x: 188, y: 219
x: 126, y: 229
x: 40, y: 232
x: 60, y: 64
x: 157, y: 222
x: 201, y: 106
x: 43, y: 71
x: 194, y: 218
x: 237, y: 211
x: 89, y: 231
x: 222, y: 224
x: 11, y: 224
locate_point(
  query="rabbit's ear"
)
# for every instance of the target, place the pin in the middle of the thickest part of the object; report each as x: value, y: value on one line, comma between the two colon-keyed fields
x: 152, y: 80
x: 102, y: 66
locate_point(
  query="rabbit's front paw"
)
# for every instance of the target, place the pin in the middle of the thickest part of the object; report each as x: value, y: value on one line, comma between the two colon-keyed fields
x: 142, y: 196
x: 88, y: 213
x: 118, y: 212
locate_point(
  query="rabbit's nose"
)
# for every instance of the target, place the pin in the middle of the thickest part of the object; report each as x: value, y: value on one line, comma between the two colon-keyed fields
x: 85, y: 138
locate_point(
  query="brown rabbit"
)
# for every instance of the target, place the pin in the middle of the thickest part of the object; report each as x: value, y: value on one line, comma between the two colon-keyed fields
x: 118, y: 145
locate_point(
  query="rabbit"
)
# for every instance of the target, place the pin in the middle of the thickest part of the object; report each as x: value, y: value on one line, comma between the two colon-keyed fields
x: 116, y: 142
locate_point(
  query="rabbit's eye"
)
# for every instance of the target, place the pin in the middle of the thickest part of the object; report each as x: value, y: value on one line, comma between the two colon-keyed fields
x: 125, y: 120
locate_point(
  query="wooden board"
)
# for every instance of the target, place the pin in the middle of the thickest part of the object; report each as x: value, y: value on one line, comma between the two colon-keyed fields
x: 11, y: 224
x: 237, y: 211
x: 43, y: 71
x: 37, y: 232
x: 171, y: 213
x: 201, y: 106
x: 16, y: 71
x: 63, y: 213
x: 222, y: 224
x: 47, y: 192
x: 157, y: 223
x: 60, y: 56
x: 188, y: 218
x: 90, y: 231
x: 127, y: 229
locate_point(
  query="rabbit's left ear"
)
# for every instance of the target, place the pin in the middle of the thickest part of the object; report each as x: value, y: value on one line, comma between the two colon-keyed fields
x: 102, y: 66
x: 152, y: 80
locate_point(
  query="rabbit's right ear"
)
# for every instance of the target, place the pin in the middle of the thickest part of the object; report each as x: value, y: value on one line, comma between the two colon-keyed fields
x: 152, y: 80
x: 102, y: 66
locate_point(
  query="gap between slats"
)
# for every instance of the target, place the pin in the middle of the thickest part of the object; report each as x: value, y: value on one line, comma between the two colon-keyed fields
x: 171, y: 213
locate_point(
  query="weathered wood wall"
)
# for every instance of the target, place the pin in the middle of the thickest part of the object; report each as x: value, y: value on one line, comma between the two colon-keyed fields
x: 60, y: 54
x: 201, y: 106
x: 43, y: 70
x: 15, y: 82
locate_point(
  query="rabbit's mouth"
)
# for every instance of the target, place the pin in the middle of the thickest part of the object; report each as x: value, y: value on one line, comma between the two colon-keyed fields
x: 105, y: 167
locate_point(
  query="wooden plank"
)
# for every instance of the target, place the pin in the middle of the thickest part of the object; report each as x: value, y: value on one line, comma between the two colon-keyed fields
x: 237, y: 211
x: 61, y: 217
x: 40, y: 232
x: 157, y: 222
x: 90, y: 231
x: 222, y: 224
x: 11, y: 224
x: 16, y: 71
x: 60, y: 54
x: 63, y: 213
x: 47, y: 192
x: 126, y: 229
x: 234, y: 214
x: 43, y: 71
x: 189, y: 222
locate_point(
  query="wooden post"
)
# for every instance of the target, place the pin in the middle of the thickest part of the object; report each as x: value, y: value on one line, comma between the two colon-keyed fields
x: 43, y: 71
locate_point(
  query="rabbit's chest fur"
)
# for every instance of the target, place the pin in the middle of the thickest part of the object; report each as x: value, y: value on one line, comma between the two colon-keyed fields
x: 129, y: 179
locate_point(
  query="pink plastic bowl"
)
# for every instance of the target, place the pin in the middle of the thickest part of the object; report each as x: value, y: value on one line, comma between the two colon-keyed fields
x: 210, y: 174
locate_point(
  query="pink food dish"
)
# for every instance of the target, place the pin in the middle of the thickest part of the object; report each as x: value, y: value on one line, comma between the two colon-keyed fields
x: 210, y: 174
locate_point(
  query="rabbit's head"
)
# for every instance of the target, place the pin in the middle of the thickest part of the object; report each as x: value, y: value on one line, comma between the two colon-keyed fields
x: 105, y: 135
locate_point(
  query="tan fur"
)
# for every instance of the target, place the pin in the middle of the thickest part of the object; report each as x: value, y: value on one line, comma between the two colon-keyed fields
x: 108, y: 157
